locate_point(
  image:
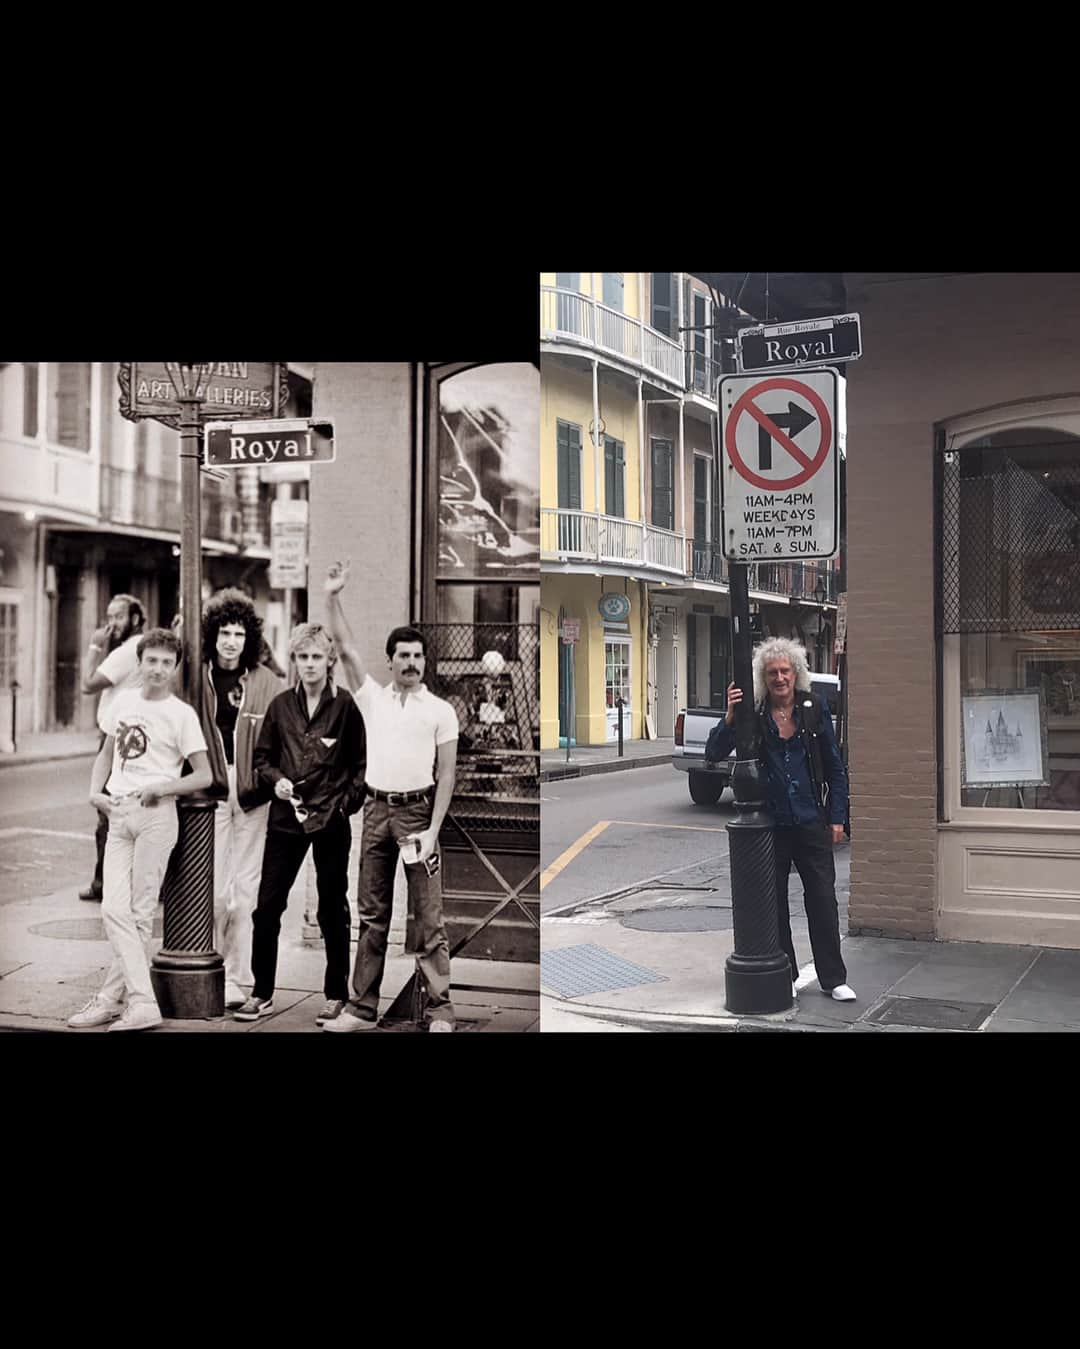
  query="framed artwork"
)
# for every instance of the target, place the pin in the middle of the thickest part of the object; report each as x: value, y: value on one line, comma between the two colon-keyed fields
x: 1057, y: 674
x: 1003, y: 739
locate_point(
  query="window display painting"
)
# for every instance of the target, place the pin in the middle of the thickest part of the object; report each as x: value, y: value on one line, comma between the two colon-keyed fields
x: 1057, y: 675
x: 489, y: 497
x: 1004, y: 739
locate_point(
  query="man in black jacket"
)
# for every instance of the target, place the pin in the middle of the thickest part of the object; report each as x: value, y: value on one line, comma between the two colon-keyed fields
x: 311, y: 754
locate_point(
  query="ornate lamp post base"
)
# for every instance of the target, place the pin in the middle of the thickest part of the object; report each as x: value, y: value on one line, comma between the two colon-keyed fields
x: 187, y: 974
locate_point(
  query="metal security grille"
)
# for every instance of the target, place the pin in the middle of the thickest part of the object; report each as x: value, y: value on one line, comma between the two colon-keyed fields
x: 1010, y: 539
x: 498, y: 775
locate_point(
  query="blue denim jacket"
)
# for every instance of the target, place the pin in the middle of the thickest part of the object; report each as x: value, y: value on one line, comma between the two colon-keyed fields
x: 789, y: 783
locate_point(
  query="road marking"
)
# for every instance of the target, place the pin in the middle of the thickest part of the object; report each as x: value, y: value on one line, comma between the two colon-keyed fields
x: 702, y: 828
x: 17, y: 830
x: 564, y: 859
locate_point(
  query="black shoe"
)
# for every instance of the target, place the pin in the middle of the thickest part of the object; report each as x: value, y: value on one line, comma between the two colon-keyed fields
x: 92, y: 892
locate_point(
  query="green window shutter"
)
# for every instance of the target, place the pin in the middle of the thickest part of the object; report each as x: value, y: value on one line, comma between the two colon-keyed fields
x: 614, y: 477
x: 30, y: 397
x: 569, y: 443
x: 663, y: 490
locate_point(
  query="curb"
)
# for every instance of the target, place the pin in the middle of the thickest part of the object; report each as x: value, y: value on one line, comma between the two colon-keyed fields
x: 573, y: 770
x: 625, y: 1016
x: 45, y: 756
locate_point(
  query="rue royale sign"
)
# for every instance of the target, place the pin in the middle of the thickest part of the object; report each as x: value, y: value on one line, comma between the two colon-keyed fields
x: 284, y: 441
x: 779, y: 480
x: 237, y: 389
x: 785, y: 346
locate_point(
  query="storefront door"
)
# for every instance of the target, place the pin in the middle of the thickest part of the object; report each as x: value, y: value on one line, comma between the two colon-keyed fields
x: 617, y: 685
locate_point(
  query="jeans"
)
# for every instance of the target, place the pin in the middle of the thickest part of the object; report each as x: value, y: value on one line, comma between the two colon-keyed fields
x: 282, y: 859
x: 808, y: 846
x: 141, y: 839
x: 101, y: 833
x: 385, y: 828
x: 239, y: 841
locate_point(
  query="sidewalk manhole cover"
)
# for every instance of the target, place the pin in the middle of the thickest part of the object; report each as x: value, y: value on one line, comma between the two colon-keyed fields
x: 80, y: 929
x: 931, y: 1014
x: 573, y: 970
x: 678, y: 919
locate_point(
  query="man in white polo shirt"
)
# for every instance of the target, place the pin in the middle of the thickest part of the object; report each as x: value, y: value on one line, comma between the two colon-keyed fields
x: 411, y: 757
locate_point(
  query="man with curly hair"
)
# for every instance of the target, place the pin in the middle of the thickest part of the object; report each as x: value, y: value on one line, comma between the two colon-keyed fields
x: 807, y: 794
x: 237, y: 691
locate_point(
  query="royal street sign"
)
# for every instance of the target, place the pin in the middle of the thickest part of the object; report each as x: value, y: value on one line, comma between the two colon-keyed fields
x: 237, y: 389
x: 779, y: 475
x: 787, y: 346
x: 284, y: 441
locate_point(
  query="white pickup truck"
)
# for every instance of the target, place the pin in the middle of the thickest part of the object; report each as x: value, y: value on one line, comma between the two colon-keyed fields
x: 692, y: 727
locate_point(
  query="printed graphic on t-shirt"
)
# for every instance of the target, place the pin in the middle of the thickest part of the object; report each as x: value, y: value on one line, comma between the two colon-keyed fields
x: 236, y: 696
x: 132, y: 742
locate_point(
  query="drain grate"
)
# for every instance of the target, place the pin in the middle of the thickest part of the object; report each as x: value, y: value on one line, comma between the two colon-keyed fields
x: 931, y: 1013
x: 80, y: 929
x: 574, y: 970
x: 683, y: 919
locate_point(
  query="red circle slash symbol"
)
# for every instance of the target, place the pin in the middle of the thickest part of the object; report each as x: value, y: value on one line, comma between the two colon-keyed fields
x: 810, y: 465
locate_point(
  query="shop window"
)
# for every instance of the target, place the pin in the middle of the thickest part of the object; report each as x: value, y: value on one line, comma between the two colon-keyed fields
x: 1010, y: 608
x: 617, y: 675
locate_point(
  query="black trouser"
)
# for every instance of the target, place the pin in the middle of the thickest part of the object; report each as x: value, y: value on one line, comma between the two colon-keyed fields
x: 808, y: 846
x: 284, y: 855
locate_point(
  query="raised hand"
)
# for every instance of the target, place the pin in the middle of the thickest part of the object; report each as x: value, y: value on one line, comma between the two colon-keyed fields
x: 337, y: 574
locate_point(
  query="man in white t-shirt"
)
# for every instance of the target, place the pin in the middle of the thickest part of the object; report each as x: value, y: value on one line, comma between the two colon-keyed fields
x: 111, y: 665
x: 411, y: 758
x: 149, y: 734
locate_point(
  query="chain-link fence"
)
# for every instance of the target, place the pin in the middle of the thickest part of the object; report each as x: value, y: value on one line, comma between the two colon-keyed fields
x: 1010, y: 540
x: 490, y: 674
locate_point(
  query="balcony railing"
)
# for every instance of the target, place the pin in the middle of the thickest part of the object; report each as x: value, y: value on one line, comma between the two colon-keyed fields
x: 584, y: 536
x: 152, y: 502
x: 567, y: 315
x: 797, y: 579
x: 704, y: 561
x: 702, y: 374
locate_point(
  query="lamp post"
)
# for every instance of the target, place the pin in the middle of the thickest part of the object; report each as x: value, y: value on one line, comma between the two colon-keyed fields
x: 188, y: 975
x: 757, y: 974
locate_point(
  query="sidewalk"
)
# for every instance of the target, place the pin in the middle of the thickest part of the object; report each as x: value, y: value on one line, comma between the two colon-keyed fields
x: 588, y: 759
x: 652, y: 958
x: 46, y: 745
x: 53, y: 956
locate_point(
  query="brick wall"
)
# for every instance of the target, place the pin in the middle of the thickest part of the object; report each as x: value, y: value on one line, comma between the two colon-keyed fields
x: 935, y: 348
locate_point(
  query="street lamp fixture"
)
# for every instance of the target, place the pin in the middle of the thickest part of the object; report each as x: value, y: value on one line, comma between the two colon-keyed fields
x: 821, y: 594
x: 189, y: 378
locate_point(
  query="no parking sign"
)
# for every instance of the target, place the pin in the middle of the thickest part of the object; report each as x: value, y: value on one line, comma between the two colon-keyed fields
x: 779, y: 474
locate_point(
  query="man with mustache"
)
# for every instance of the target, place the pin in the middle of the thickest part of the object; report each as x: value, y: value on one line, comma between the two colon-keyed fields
x: 412, y: 755
x: 111, y: 665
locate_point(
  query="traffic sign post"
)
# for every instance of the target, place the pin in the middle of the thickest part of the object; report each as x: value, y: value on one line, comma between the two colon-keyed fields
x: 571, y: 635
x: 779, y: 485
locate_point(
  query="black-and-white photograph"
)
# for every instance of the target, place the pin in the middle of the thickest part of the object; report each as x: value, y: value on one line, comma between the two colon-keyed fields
x: 269, y: 696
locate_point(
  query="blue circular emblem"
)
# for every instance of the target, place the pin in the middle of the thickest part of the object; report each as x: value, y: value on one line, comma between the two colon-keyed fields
x: 615, y: 608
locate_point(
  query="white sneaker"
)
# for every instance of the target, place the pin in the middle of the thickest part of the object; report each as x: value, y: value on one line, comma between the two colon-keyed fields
x: 234, y: 996
x: 794, y: 990
x: 97, y: 1012
x: 842, y: 993
x: 138, y: 1016
x: 253, y: 1008
x: 349, y: 1021
x: 443, y: 1026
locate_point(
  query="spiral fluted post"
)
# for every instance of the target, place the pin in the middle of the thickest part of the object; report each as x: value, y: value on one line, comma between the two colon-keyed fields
x: 757, y: 974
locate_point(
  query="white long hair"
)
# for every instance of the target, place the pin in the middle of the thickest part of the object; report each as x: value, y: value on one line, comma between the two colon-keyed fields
x: 780, y: 648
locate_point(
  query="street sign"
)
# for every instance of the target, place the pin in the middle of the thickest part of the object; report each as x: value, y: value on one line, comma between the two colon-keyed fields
x: 239, y: 389
x: 571, y: 631
x: 789, y: 346
x: 779, y: 483
x: 288, y: 544
x: 285, y: 441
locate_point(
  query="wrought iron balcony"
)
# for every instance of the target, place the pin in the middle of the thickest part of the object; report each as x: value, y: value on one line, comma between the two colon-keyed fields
x: 704, y: 561
x: 569, y: 316
x: 148, y: 501
x: 796, y: 579
x: 584, y: 536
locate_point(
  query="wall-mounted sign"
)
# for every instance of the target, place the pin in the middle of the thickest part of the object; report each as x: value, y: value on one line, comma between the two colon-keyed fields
x: 237, y: 389
x: 571, y: 631
x: 615, y: 608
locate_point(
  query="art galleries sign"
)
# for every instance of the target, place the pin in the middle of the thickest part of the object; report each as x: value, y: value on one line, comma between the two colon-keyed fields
x: 237, y: 389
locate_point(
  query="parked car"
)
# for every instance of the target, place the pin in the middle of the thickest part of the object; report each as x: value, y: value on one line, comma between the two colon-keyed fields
x: 707, y: 781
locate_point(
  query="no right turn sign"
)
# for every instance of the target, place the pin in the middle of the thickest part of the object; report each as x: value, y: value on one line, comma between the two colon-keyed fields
x: 779, y: 476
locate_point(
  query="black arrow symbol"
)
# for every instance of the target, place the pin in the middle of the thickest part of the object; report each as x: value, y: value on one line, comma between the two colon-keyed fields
x: 794, y: 420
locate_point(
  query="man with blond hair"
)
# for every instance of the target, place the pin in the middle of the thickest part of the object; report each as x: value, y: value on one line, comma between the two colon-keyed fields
x: 311, y: 755
x: 807, y: 794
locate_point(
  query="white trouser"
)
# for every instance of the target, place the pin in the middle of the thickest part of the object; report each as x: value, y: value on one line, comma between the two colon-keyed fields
x: 136, y: 857
x: 239, y: 840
